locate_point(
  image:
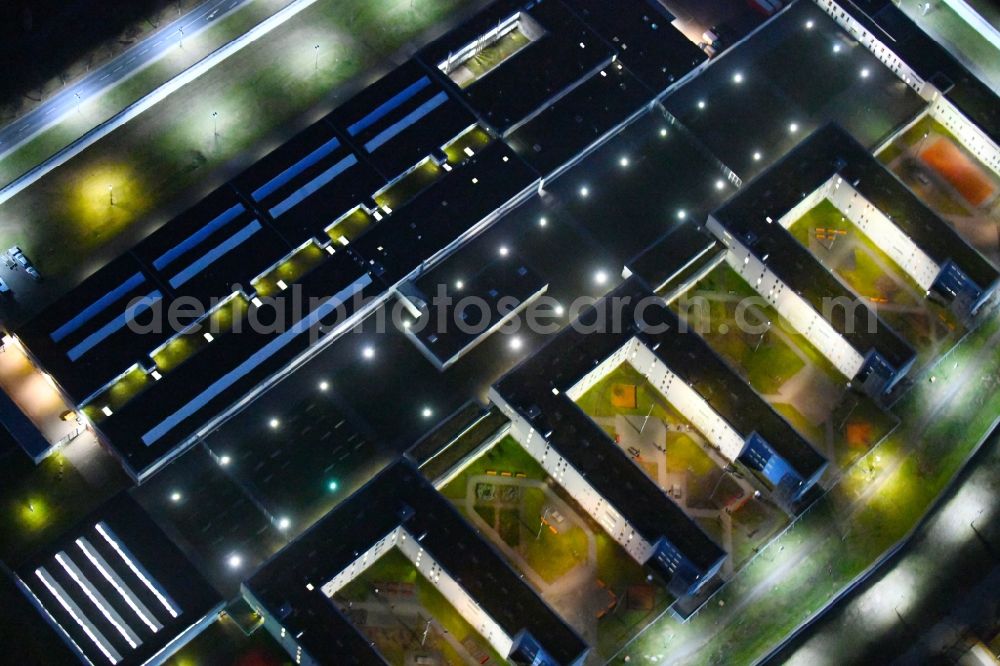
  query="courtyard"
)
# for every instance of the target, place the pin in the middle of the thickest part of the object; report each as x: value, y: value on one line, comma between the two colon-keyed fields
x: 784, y: 367
x: 723, y: 498
x: 928, y: 326
x: 409, y: 621
x: 564, y: 554
x: 950, y: 181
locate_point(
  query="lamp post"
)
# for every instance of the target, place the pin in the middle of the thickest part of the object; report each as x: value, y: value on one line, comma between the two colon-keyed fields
x: 215, y: 123
x: 761, y: 338
x: 316, y: 51
x: 111, y: 195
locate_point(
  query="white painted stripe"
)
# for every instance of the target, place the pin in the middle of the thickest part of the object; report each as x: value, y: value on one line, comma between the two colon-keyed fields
x: 120, y: 586
x: 93, y: 633
x: 96, y: 598
x: 106, y: 532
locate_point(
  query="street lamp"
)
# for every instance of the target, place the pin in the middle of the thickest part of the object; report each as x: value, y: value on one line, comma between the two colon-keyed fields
x: 111, y: 195
x: 215, y: 121
x: 316, y: 50
x: 761, y: 338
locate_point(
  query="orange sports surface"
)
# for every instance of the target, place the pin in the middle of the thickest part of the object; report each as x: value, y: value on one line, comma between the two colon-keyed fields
x: 965, y: 176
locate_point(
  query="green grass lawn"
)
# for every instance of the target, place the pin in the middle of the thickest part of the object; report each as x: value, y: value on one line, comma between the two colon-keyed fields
x: 617, y: 571
x: 395, y: 567
x: 170, y: 155
x: 38, y: 503
x: 765, y: 360
x: 842, y: 533
x: 504, y: 456
x: 350, y: 226
x: 494, y: 54
x: 863, y: 272
x: 596, y: 402
x: 685, y: 454
x: 115, y: 98
x: 550, y: 555
x: 409, y: 185
x: 475, y: 139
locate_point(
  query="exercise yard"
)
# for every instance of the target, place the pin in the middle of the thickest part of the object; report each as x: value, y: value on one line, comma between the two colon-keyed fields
x: 409, y: 621
x: 715, y: 493
x: 564, y: 554
x: 784, y: 367
x: 840, y: 246
x: 950, y: 181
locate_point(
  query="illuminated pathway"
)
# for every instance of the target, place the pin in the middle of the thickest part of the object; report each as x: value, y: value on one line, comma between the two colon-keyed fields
x: 142, y: 54
x: 913, y: 594
x: 800, y: 571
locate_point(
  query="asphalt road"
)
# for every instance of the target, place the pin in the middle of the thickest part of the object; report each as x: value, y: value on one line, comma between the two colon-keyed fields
x: 143, y: 53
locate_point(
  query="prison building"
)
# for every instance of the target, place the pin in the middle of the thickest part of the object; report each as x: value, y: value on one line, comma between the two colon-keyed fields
x: 403, y: 119
x: 537, y: 396
x: 295, y: 591
x: 831, y: 166
x: 793, y: 281
x: 957, y: 99
x: 514, y: 58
